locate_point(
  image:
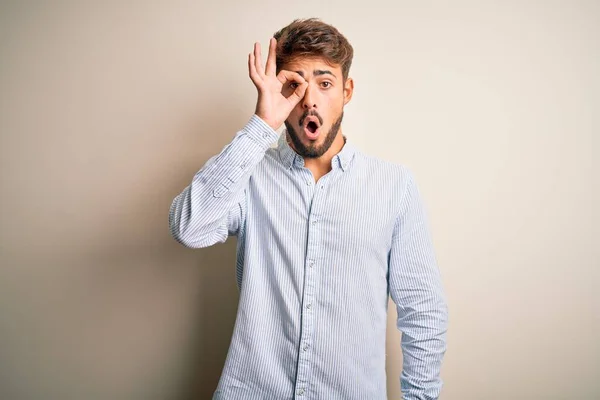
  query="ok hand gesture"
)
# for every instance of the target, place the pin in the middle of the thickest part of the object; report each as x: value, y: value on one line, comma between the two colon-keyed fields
x: 272, y: 106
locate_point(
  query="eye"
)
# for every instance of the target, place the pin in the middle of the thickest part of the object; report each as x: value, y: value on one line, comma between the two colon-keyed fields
x: 293, y: 85
x: 326, y: 84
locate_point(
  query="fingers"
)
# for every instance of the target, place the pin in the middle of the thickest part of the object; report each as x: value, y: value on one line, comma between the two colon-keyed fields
x: 298, y: 93
x: 290, y: 76
x: 252, y: 70
x: 255, y: 68
x: 258, y: 60
x: 285, y: 76
x: 271, y: 59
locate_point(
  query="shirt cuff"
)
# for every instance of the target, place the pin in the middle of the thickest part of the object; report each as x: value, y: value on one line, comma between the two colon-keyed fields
x: 260, y: 132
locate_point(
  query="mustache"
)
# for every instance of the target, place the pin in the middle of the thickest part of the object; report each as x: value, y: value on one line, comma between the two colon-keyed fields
x: 311, y: 113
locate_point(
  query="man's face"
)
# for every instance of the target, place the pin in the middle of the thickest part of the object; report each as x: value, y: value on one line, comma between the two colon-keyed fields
x: 315, y: 121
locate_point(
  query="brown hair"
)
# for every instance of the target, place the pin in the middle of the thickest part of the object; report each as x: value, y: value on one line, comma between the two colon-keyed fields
x: 313, y: 38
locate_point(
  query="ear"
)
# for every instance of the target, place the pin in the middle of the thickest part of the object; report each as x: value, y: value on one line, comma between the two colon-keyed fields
x: 348, y: 90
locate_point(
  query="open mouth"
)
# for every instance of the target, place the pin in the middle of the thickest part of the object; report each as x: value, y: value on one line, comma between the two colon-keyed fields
x: 312, y: 127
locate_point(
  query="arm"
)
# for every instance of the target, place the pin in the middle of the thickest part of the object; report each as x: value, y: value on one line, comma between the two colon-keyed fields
x: 416, y: 289
x: 213, y: 205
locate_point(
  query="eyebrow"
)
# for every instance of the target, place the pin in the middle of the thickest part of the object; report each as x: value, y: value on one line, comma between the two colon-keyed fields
x: 318, y: 72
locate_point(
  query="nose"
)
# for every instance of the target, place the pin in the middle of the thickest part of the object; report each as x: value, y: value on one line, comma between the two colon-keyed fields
x: 308, y: 101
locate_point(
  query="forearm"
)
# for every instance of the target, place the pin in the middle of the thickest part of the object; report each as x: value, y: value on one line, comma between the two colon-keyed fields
x: 423, y: 346
x: 198, y: 215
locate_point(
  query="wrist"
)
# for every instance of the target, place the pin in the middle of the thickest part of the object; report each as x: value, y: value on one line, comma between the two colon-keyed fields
x: 272, y: 124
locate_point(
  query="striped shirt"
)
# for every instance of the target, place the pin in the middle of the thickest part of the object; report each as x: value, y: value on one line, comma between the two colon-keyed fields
x: 316, y: 264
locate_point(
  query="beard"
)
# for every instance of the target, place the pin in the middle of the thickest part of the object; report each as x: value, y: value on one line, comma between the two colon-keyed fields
x: 313, y: 150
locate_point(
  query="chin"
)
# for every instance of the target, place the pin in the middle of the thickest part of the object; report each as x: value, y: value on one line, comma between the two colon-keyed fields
x: 310, y: 148
x: 319, y: 139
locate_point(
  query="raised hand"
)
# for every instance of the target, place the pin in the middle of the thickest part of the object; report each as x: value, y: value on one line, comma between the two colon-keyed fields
x: 272, y: 105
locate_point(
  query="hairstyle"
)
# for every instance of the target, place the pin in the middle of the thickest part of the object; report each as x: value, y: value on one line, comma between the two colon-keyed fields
x: 313, y: 38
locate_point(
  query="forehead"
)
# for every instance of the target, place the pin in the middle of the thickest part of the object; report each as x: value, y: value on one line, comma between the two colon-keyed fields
x: 309, y: 66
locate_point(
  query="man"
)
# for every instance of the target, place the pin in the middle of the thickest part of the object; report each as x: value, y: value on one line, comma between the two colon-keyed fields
x: 325, y: 235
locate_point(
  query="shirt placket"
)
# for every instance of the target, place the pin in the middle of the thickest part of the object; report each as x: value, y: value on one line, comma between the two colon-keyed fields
x: 311, y: 268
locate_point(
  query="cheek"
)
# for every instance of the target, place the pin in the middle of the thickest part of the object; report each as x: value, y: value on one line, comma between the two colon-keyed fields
x: 333, y: 112
x: 333, y: 104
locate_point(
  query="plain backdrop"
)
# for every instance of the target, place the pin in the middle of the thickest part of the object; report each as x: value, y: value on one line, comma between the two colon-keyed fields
x: 107, y: 109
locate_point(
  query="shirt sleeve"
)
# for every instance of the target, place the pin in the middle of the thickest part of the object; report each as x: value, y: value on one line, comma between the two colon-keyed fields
x: 213, y: 206
x: 416, y: 289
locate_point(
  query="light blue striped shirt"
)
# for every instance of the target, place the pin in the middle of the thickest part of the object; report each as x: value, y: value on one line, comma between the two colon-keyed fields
x: 316, y: 263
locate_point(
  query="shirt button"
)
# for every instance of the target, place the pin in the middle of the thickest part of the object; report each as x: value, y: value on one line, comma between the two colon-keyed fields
x: 312, y: 264
x: 314, y: 222
x: 305, y: 348
x: 300, y: 392
x: 309, y: 305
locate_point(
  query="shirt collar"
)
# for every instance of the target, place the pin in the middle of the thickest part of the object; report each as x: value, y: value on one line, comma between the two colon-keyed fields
x: 289, y: 157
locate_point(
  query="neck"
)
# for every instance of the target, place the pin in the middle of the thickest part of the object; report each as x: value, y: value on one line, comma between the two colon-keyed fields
x: 323, y: 163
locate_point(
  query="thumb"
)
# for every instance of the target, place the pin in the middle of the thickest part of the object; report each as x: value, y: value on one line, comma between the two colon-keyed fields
x: 298, y: 93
